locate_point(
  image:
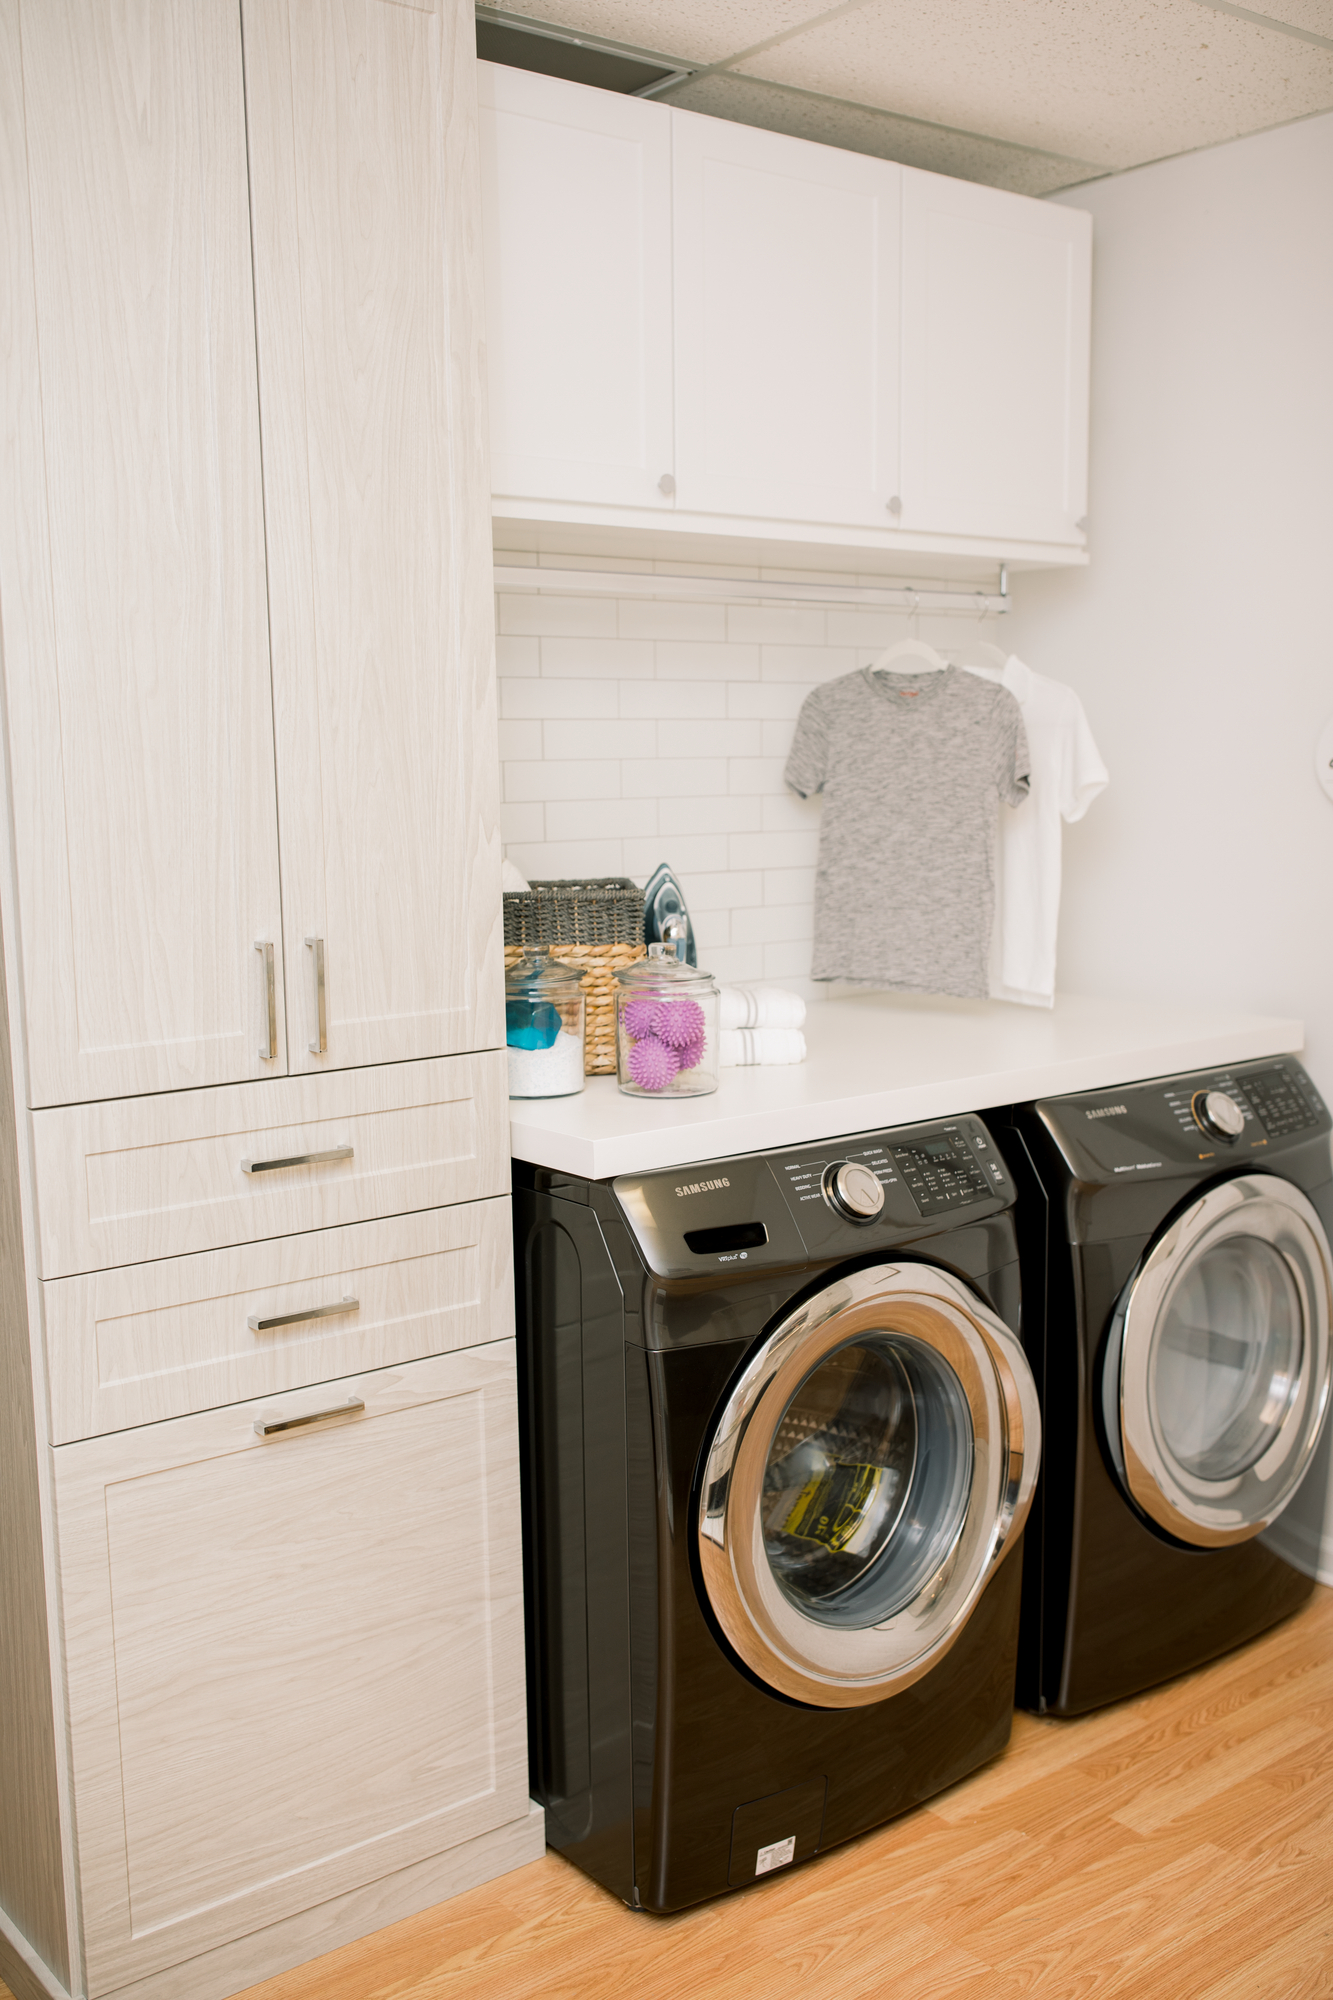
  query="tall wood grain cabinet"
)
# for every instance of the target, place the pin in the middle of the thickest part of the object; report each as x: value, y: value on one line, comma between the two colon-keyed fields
x: 261, y: 1683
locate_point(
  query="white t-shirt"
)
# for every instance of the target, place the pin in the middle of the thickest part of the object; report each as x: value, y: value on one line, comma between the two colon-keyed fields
x: 1067, y: 774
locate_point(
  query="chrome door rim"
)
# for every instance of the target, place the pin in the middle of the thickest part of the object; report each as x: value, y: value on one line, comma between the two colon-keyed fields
x: 1216, y: 1513
x: 838, y: 1666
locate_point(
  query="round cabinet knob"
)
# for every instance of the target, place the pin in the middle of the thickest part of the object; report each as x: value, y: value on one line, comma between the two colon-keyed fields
x: 1219, y: 1114
x: 852, y: 1190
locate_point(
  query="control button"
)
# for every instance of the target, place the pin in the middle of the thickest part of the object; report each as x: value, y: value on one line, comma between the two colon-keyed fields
x: 853, y: 1190
x: 1218, y: 1114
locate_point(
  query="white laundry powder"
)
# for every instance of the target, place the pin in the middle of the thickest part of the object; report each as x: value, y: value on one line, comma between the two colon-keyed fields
x: 553, y: 1072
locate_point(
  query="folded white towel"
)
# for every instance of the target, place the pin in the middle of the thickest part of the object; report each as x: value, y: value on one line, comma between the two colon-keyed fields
x: 739, y: 1046
x: 762, y: 1007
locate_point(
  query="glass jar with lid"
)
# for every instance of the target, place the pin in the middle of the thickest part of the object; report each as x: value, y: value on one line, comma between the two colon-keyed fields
x: 666, y: 1026
x: 544, y: 1021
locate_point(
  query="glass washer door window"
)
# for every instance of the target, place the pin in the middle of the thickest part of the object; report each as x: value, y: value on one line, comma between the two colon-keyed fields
x: 871, y: 1468
x: 1217, y: 1368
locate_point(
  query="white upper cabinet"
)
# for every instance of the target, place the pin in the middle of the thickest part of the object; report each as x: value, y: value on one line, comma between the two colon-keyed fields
x: 131, y: 554
x: 995, y: 362
x: 365, y: 185
x: 577, y: 204
x: 858, y: 354
x: 786, y: 352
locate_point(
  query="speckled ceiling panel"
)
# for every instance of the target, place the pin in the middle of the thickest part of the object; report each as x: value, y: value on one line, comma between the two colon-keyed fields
x: 705, y: 31
x: 805, y: 115
x: 1316, y: 15
x: 1116, y: 81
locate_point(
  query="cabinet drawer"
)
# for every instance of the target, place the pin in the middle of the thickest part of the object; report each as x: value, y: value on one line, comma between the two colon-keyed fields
x: 294, y: 1661
x: 149, y: 1341
x: 148, y: 1177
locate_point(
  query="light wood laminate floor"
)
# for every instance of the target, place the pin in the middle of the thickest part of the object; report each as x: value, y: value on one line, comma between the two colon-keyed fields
x: 1175, y: 1847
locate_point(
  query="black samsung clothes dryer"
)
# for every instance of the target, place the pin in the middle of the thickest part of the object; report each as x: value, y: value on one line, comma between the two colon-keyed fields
x: 1176, y: 1303
x: 779, y: 1438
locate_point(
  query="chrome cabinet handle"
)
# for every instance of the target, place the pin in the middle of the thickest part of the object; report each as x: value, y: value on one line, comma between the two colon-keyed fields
x: 296, y: 1159
x: 320, y: 1045
x: 271, y: 996
x: 267, y: 1427
x: 258, y: 1325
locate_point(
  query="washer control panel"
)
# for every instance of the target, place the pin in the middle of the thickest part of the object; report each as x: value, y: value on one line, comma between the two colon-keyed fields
x: 923, y: 1171
x: 945, y: 1172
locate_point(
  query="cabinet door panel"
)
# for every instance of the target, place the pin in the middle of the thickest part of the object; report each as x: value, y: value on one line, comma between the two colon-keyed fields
x: 294, y: 1665
x: 786, y: 326
x: 996, y: 293
x: 148, y: 1342
x: 576, y: 205
x: 132, y: 564
x: 364, y: 179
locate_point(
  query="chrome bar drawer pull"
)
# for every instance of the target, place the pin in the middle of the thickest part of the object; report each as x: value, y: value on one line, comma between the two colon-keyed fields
x: 296, y: 1160
x: 320, y: 1045
x: 258, y: 1325
x: 271, y: 1000
x: 267, y: 1427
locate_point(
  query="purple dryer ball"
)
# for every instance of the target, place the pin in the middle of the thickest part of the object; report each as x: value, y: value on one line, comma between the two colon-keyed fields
x: 652, y: 1065
x: 682, y: 1023
x: 692, y: 1053
x: 641, y: 1017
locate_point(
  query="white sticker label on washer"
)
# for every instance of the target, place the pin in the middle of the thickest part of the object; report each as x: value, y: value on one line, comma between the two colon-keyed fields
x: 776, y: 1856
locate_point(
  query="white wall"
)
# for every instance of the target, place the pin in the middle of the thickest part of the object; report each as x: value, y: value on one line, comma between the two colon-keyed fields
x: 1201, y: 638
x: 634, y: 730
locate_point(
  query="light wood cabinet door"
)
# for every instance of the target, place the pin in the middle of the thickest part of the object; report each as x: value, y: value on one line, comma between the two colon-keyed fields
x: 132, y: 590
x: 996, y: 300
x: 576, y: 204
x: 294, y: 1664
x: 786, y: 261
x: 365, y: 204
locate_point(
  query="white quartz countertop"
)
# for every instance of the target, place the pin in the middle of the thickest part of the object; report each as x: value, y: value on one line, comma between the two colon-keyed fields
x: 883, y: 1059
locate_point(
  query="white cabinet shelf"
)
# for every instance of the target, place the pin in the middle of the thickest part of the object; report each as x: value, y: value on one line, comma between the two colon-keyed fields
x: 815, y: 348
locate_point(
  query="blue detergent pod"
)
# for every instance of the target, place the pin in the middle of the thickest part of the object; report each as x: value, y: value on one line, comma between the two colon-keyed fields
x: 531, y: 1024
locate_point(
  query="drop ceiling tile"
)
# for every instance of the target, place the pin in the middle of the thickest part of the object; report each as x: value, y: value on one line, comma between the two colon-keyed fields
x: 1113, y: 81
x: 804, y: 115
x: 702, y: 31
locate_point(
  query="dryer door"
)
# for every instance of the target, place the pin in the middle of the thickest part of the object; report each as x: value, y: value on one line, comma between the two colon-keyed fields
x: 870, y: 1469
x: 1217, y: 1366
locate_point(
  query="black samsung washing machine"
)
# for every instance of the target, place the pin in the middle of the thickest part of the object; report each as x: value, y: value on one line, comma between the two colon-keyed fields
x: 779, y: 1437
x: 1176, y: 1304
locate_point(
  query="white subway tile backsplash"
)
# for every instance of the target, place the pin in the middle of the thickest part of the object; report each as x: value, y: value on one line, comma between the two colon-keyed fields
x: 712, y: 928
x: 661, y: 619
x: 562, y: 781
x: 514, y: 657
x: 727, y: 815
x: 732, y: 964
x: 780, y: 626
x: 773, y: 923
x: 725, y: 891
x: 786, y: 812
x: 519, y: 740
x: 756, y: 775
x: 789, y: 885
x: 599, y: 739
x: 541, y: 698
x: 768, y: 699
x: 687, y: 661
x: 599, y: 819
x: 788, y: 960
x: 716, y: 739
x: 583, y: 617
x: 700, y: 701
x: 600, y: 659
x: 522, y: 823
x: 778, y: 735
x: 803, y: 663
x: 688, y: 853
x: 676, y: 778
x: 571, y: 859
x: 773, y: 850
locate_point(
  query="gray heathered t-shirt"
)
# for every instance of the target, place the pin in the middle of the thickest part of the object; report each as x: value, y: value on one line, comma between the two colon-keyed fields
x: 913, y: 769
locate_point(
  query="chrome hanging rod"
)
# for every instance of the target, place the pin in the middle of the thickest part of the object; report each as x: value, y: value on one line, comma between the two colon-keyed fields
x: 957, y: 602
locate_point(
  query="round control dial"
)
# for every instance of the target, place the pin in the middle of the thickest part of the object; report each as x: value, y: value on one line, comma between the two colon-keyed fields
x: 853, y: 1190
x: 1219, y: 1114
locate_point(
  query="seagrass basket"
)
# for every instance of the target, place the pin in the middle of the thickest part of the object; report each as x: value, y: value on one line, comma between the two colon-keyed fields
x: 596, y: 926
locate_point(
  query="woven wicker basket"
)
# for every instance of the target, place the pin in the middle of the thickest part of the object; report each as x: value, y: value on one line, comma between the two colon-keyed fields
x: 596, y: 926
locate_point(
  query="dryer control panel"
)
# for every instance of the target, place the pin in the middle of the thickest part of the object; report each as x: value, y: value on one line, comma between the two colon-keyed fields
x: 837, y: 1198
x: 1214, y: 1119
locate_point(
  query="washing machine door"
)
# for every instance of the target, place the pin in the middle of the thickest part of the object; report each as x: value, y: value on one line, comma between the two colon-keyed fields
x: 1216, y: 1373
x: 870, y: 1469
